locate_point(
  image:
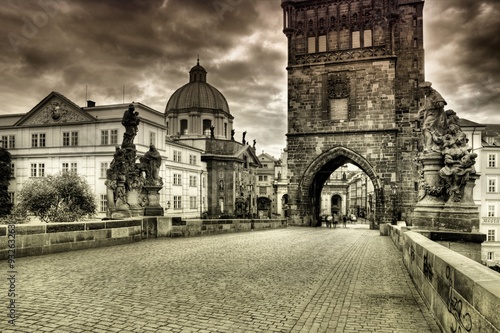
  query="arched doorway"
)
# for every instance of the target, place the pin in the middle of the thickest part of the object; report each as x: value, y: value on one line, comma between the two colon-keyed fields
x: 336, y: 205
x: 319, y: 171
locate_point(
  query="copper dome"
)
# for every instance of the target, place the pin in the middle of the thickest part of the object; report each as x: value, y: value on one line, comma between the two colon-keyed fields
x: 197, y: 94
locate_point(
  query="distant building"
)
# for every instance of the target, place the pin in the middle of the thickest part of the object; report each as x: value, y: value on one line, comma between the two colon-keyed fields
x: 57, y: 135
x: 205, y: 171
x: 198, y: 115
x: 490, y: 195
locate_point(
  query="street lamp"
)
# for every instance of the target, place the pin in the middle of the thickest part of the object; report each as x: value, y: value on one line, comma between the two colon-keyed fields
x: 394, y: 199
x: 250, y: 189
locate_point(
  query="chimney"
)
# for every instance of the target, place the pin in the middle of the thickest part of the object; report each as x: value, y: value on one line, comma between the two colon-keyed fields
x: 90, y: 104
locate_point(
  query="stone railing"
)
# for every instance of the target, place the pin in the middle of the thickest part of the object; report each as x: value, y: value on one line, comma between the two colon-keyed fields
x: 196, y: 227
x: 27, y: 240
x: 463, y: 295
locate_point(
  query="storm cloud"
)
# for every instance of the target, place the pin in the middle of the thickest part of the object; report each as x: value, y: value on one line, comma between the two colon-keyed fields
x: 98, y: 49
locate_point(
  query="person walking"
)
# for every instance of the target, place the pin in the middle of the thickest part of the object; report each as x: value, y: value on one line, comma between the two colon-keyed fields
x: 329, y: 219
x: 344, y: 220
x: 335, y: 221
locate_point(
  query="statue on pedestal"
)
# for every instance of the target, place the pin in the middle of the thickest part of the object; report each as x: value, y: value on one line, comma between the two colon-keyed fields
x: 131, y: 185
x: 434, y: 123
x: 151, y: 162
x: 447, y: 172
x: 130, y: 120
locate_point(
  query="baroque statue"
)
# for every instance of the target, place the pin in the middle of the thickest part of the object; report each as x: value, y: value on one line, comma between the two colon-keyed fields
x: 132, y: 188
x: 446, y: 167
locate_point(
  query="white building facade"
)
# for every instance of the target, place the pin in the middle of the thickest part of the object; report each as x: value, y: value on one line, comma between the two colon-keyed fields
x: 58, y: 136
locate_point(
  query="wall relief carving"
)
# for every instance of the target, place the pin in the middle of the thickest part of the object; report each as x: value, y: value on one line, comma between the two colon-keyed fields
x: 56, y: 112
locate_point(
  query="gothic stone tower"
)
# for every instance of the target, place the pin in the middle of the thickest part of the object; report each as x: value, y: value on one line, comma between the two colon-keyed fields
x: 353, y: 72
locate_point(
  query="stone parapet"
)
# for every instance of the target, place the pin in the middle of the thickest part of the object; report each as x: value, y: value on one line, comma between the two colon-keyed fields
x: 463, y: 295
x: 30, y: 240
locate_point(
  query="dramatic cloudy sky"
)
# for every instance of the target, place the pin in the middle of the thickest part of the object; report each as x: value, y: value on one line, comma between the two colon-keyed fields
x: 149, y: 46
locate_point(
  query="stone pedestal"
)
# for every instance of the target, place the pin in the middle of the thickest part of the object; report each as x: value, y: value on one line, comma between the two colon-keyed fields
x: 435, y: 210
x: 153, y: 207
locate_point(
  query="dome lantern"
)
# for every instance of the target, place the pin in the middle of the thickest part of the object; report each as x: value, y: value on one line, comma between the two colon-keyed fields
x: 198, y: 73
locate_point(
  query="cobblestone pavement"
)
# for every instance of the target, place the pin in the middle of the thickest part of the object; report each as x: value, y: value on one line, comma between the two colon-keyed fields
x: 287, y: 280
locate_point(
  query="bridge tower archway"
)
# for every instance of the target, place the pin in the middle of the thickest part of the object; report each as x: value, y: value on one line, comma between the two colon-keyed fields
x: 353, y: 96
x: 320, y: 169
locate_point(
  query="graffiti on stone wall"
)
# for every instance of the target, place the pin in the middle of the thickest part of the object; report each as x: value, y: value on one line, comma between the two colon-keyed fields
x: 462, y: 321
x: 429, y: 274
x: 411, y: 252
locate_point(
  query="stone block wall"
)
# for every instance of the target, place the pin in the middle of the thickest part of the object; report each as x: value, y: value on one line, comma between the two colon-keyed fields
x: 61, y: 237
x: 194, y: 227
x: 463, y: 295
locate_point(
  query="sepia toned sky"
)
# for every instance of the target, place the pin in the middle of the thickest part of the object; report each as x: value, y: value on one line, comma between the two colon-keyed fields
x: 147, y: 48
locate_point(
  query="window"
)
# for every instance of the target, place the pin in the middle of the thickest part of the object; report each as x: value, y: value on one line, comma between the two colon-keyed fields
x: 311, y: 44
x: 104, y: 169
x: 74, y: 138
x: 264, y: 166
x: 184, y: 127
x: 225, y: 130
x: 177, y: 202
x: 490, y: 256
x: 322, y: 43
x: 103, y: 203
x: 367, y: 38
x: 109, y: 137
x: 66, y: 139
x: 356, y: 42
x: 177, y: 179
x: 38, y: 140
x: 492, y: 185
x: 152, y: 138
x: 206, y: 127
x: 492, y: 160
x: 192, y: 159
x: 177, y: 156
x: 70, y: 167
x: 37, y: 170
x: 193, y: 203
x: 415, y: 42
x: 491, y: 235
x: 491, y: 210
x: 12, y: 170
x: 70, y: 139
x: 104, y: 137
x: 8, y: 141
x: 192, y: 181
x: 262, y: 190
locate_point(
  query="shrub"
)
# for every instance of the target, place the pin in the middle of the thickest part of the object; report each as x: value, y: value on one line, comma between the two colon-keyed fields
x: 65, y: 197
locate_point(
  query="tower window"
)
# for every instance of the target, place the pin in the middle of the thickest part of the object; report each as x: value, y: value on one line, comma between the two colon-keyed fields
x: 356, y: 43
x: 322, y: 43
x: 311, y: 44
x: 367, y: 38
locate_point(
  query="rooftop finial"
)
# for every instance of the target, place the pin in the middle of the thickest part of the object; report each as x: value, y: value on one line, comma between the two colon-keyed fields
x: 198, y: 61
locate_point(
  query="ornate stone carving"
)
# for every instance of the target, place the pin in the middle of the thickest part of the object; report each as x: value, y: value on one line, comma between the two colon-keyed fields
x: 363, y: 53
x: 55, y: 112
x: 446, y: 165
x: 338, y: 86
x: 133, y: 187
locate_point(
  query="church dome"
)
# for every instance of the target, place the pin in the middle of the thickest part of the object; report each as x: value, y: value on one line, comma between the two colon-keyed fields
x: 197, y: 94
